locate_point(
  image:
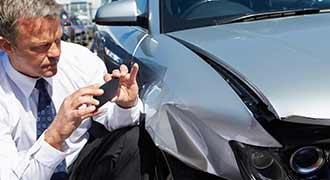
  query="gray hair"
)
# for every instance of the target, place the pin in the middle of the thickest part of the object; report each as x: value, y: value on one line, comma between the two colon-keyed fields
x: 12, y: 10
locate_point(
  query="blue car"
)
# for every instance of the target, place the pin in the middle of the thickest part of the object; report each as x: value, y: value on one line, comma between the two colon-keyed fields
x: 232, y: 89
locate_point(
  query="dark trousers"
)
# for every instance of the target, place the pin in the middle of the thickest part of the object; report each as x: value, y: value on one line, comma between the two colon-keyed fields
x: 108, y: 155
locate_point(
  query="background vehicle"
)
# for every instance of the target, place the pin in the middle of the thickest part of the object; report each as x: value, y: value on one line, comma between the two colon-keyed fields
x: 89, y: 25
x: 68, y: 31
x: 80, y: 31
x: 234, y: 89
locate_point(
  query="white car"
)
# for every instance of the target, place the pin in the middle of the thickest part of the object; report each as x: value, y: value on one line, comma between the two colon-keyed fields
x: 233, y: 89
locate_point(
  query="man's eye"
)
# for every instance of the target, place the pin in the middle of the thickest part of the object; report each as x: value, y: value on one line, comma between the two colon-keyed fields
x: 41, y: 48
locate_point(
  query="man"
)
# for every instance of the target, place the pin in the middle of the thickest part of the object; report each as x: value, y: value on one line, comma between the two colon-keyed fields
x: 46, y: 102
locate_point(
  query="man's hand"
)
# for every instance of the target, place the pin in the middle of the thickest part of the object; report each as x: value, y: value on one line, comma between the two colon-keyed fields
x: 71, y: 113
x: 127, y: 94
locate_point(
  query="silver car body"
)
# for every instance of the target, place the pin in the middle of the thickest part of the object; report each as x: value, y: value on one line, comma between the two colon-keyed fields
x: 192, y: 112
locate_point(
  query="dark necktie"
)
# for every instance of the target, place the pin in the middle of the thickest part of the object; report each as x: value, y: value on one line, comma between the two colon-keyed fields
x: 46, y: 114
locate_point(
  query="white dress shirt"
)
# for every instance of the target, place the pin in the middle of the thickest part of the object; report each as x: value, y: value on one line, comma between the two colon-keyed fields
x: 22, y: 156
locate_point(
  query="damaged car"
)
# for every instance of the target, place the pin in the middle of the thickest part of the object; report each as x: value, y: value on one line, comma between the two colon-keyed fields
x: 232, y: 89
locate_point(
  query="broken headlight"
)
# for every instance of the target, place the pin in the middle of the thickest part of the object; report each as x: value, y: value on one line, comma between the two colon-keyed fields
x: 295, y: 163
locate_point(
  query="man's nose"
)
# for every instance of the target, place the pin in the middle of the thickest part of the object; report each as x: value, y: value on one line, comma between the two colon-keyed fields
x: 54, y: 50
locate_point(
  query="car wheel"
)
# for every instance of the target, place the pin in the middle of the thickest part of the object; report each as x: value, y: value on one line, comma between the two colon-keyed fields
x: 64, y: 38
x: 72, y: 37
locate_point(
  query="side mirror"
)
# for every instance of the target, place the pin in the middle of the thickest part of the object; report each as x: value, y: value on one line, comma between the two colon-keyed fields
x: 119, y: 13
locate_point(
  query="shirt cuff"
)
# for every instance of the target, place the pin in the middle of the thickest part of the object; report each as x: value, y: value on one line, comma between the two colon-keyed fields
x: 47, y: 154
x: 132, y: 113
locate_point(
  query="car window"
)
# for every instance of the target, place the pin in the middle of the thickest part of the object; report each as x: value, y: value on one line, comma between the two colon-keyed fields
x: 76, y: 21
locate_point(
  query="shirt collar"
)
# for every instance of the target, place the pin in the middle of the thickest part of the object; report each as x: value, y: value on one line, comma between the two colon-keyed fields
x: 24, y: 83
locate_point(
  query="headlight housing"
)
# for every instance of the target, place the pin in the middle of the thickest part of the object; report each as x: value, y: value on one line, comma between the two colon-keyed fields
x: 294, y: 163
x: 258, y: 163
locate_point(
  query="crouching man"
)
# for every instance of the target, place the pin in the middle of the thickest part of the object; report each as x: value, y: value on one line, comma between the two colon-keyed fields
x: 47, y: 105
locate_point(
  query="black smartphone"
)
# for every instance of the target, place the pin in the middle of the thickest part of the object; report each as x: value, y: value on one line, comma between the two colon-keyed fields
x: 110, y: 90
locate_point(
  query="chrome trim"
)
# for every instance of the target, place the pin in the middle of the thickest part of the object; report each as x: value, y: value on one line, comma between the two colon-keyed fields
x: 316, y: 166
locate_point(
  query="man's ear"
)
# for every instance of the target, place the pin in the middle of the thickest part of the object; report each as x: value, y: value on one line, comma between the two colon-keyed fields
x: 5, y: 45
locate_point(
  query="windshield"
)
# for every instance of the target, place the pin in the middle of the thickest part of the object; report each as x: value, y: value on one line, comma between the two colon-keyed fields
x: 184, y: 14
x: 77, y: 21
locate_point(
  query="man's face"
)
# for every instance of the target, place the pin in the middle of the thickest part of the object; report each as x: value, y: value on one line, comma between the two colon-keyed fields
x: 38, y: 47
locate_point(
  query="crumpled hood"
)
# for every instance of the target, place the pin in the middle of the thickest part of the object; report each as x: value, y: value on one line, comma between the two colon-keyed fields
x: 287, y: 59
